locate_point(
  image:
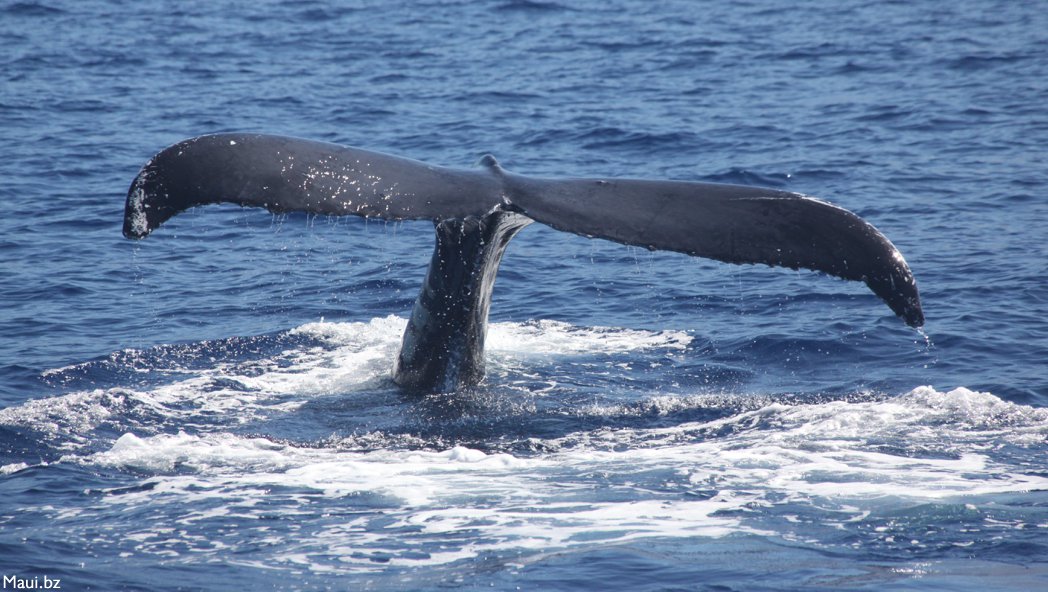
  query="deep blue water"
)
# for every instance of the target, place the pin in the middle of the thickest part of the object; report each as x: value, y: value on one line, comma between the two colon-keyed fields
x: 211, y: 408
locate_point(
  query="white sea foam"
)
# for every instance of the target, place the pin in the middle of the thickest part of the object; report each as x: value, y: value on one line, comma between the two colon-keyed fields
x: 558, y: 338
x: 68, y: 419
x: 498, y: 501
x: 12, y: 468
x: 605, y: 485
x: 354, y: 356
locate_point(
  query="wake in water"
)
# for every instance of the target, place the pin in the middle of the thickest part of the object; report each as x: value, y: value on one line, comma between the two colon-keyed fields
x: 295, y: 451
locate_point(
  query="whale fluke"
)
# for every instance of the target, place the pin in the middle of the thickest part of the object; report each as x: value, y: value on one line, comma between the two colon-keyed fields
x: 477, y: 212
x: 285, y: 174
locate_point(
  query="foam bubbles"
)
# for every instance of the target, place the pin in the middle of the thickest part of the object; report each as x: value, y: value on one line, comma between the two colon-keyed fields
x: 167, y: 453
x: 558, y: 338
x: 608, y: 485
x: 206, y: 457
x: 501, y: 501
x: 12, y: 468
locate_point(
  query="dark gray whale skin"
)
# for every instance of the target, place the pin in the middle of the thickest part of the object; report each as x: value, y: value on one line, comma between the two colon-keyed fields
x: 477, y: 212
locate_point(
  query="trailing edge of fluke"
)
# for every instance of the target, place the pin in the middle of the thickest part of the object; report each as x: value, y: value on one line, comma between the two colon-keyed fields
x: 477, y: 212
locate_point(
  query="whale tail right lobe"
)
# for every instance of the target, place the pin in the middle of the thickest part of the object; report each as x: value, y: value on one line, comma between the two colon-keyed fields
x: 730, y: 223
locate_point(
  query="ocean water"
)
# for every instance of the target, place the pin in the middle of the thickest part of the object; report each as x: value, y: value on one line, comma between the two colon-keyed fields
x: 211, y: 408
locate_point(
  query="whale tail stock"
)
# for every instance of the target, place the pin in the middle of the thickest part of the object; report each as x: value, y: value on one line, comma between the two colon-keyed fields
x: 477, y: 212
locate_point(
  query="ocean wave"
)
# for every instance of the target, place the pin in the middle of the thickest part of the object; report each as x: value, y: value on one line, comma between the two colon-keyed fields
x: 660, y: 466
x: 734, y: 475
x: 207, y: 449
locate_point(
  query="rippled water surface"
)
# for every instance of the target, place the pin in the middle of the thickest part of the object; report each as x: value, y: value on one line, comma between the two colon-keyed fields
x: 211, y: 408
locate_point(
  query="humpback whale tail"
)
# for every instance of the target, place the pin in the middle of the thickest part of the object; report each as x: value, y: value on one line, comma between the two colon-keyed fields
x: 477, y: 213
